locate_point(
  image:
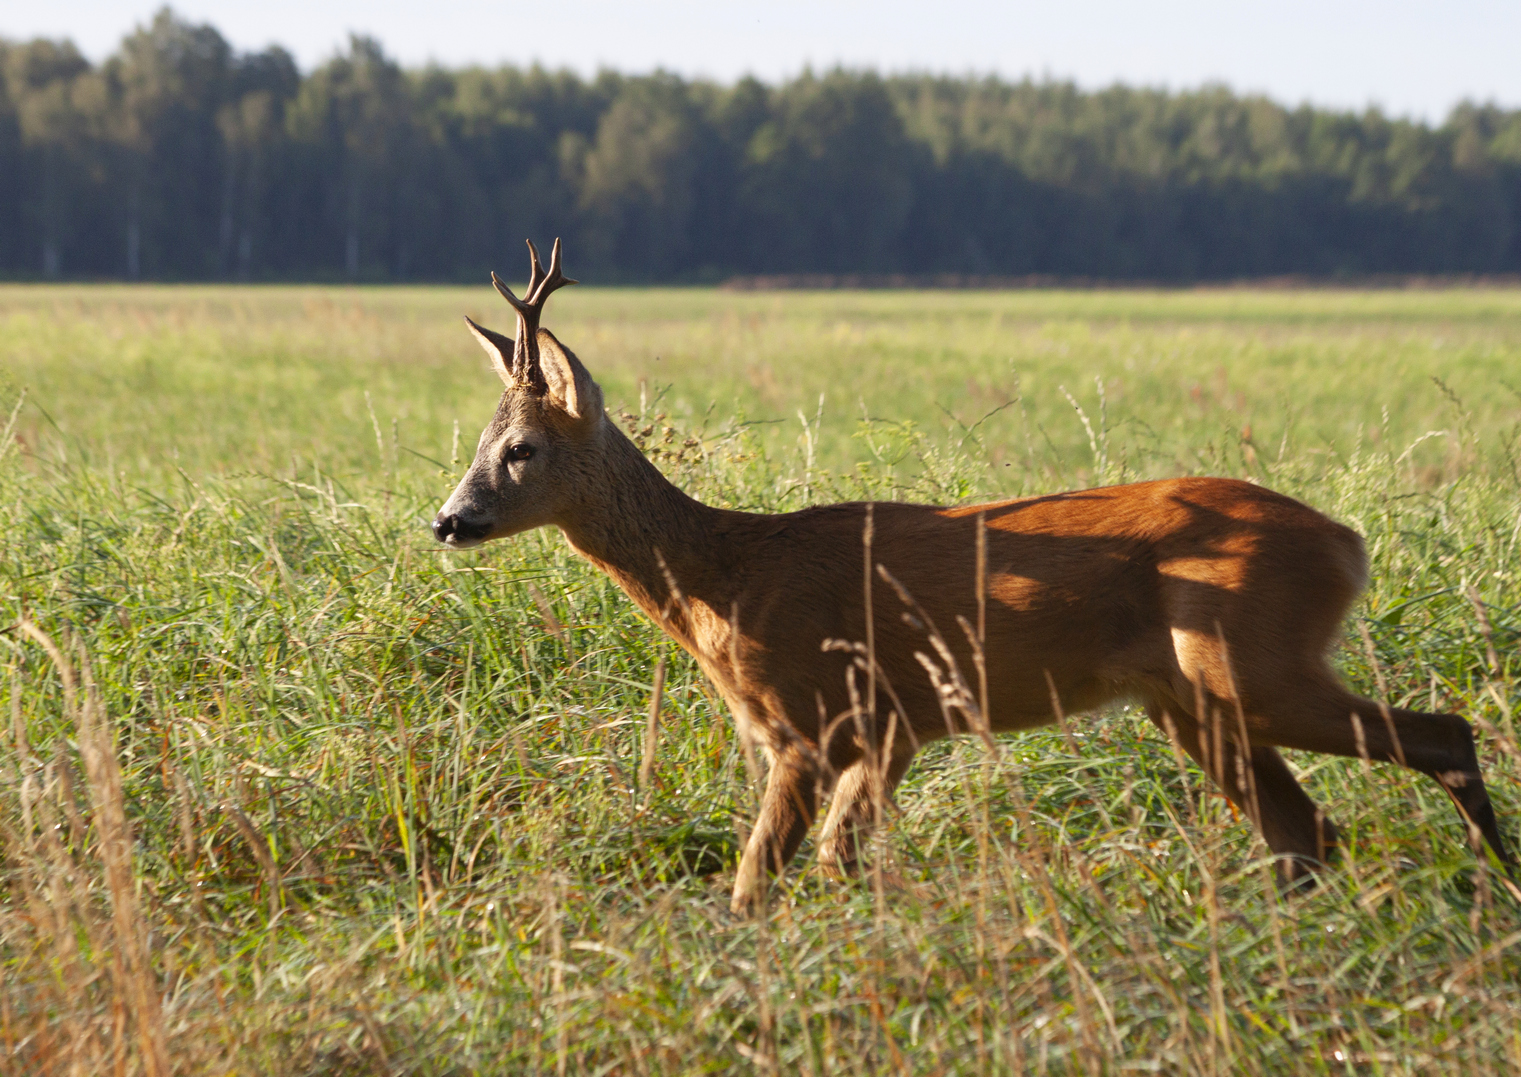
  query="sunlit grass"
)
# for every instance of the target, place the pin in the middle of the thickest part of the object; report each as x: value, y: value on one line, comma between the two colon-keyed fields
x: 386, y: 801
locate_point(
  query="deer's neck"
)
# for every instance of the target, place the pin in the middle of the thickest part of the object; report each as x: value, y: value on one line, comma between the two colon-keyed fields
x: 646, y: 533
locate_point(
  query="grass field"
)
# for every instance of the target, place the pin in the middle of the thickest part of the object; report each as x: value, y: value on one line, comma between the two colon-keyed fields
x: 384, y: 805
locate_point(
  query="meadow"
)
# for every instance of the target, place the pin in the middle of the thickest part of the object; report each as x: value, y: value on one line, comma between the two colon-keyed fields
x: 285, y: 789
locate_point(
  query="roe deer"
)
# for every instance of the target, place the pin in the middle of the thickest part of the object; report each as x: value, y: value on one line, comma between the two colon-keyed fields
x: 1212, y: 602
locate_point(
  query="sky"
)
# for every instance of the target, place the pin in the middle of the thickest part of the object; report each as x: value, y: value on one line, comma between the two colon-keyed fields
x: 1409, y: 58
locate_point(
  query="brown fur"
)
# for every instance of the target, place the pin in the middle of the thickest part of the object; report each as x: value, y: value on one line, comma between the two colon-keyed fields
x: 1167, y: 593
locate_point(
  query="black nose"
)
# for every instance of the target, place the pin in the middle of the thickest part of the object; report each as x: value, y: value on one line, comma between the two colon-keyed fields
x: 451, y: 525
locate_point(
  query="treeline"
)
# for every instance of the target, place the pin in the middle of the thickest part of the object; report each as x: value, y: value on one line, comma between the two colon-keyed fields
x: 179, y: 158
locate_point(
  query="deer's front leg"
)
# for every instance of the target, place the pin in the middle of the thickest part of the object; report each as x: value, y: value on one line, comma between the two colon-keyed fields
x: 861, y: 795
x: 787, y: 811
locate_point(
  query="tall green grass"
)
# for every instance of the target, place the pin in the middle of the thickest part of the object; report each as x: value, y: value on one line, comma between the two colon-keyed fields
x: 385, y: 805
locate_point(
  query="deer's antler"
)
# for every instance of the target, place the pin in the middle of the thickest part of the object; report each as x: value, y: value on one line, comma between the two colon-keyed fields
x: 525, y: 352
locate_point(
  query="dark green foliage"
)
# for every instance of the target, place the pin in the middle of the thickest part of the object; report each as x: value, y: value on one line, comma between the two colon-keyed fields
x: 179, y: 158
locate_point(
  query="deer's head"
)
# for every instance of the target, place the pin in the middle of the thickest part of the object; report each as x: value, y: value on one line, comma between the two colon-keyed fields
x: 546, y: 437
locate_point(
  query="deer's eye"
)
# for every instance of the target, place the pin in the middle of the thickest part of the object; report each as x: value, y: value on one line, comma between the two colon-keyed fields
x: 520, y: 452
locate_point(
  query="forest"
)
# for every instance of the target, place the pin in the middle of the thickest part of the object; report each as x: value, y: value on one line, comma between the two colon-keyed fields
x: 179, y: 158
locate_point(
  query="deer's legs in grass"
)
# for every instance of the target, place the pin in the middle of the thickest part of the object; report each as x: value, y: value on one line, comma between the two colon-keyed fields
x: 787, y: 811
x: 1438, y: 745
x: 1294, y: 828
x: 862, y: 790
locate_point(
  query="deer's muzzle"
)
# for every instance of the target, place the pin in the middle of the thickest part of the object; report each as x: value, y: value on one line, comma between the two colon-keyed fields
x: 454, y: 530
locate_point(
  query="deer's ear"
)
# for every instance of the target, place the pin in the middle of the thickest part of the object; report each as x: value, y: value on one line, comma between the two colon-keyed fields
x: 570, y: 386
x: 498, y: 347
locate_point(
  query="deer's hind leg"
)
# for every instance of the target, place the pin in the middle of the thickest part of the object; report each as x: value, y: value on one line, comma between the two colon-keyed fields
x: 1262, y: 787
x: 1328, y: 718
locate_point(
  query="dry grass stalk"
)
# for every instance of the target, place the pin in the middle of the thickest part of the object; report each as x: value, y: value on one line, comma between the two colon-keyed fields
x: 1485, y: 628
x: 552, y: 623
x: 131, y: 971
x: 951, y: 688
x: 652, y: 730
x: 259, y: 846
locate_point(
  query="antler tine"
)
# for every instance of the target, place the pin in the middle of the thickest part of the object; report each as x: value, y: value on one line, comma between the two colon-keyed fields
x: 524, y: 351
x: 506, y: 292
x: 554, y: 279
x: 535, y: 271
